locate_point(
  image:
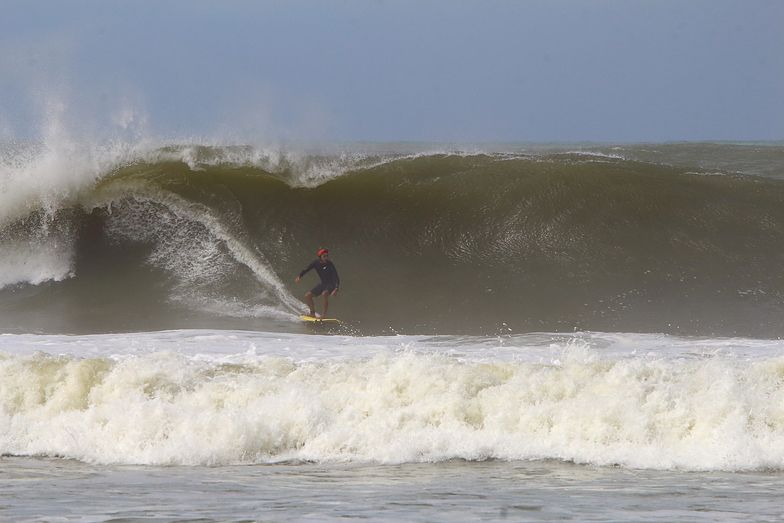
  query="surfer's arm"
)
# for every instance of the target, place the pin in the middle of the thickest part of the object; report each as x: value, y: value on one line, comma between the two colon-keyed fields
x: 305, y: 271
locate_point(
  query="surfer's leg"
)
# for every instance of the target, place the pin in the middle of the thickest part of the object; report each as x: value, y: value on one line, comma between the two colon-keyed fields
x: 311, y: 306
x: 324, y: 303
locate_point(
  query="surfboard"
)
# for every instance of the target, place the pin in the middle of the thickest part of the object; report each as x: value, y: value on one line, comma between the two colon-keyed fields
x: 320, y: 320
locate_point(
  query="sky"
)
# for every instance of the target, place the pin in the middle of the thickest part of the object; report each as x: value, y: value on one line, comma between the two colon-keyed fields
x: 394, y: 70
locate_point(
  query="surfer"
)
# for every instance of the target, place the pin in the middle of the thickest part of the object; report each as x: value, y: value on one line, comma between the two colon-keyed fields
x: 330, y: 281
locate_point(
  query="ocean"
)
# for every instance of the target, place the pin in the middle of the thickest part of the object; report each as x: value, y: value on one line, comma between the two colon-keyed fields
x: 530, y: 332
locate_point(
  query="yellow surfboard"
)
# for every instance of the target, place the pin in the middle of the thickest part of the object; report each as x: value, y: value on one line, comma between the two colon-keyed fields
x: 320, y: 320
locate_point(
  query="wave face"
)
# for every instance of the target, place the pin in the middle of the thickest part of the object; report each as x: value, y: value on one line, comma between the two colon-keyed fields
x: 674, y: 238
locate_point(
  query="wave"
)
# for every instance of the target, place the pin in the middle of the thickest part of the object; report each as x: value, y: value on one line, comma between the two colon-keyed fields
x: 427, y: 239
x: 391, y: 400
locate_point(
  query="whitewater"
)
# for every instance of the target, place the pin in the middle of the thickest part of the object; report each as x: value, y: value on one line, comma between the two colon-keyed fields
x: 221, y: 398
x: 531, y: 332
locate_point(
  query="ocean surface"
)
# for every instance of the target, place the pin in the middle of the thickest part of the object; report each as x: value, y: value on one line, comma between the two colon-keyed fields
x: 531, y: 332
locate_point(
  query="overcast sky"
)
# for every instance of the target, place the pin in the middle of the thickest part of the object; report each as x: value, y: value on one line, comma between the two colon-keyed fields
x: 395, y: 70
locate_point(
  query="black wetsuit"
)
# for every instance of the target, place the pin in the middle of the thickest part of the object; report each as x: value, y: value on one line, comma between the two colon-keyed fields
x: 330, y: 280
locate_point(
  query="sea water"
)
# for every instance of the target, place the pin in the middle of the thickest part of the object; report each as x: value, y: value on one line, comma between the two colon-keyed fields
x: 530, y: 332
x: 56, y: 490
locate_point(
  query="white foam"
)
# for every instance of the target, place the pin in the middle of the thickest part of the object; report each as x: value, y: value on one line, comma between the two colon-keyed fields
x: 36, y: 262
x: 211, y: 397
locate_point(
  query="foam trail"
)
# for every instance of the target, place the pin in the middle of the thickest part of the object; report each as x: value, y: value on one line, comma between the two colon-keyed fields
x: 193, y: 244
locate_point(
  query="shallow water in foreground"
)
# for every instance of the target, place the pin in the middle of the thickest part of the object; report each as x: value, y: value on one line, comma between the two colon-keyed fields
x: 66, y: 490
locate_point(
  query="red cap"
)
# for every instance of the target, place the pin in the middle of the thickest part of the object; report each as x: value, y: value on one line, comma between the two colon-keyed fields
x: 322, y: 251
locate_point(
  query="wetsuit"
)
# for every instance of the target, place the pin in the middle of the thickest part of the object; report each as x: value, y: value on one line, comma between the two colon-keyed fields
x: 328, y: 274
